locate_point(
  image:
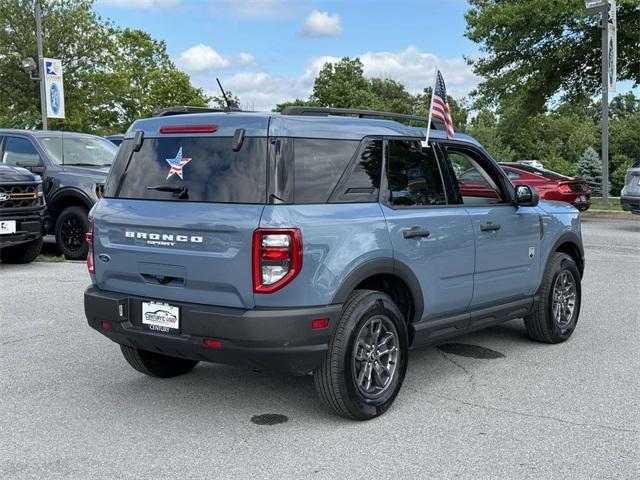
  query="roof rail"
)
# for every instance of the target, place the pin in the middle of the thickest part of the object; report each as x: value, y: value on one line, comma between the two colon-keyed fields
x: 184, y: 109
x: 324, y: 112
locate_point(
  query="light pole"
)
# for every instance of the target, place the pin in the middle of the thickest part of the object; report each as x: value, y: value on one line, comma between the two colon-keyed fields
x: 602, y: 7
x: 30, y: 66
x: 43, y: 105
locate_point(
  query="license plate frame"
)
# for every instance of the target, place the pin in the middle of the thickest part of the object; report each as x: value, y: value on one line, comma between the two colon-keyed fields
x: 8, y: 227
x: 160, y: 317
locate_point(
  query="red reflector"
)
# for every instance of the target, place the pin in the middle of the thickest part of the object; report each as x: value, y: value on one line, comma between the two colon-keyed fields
x: 189, y: 129
x: 319, y: 323
x: 564, y: 189
x: 212, y: 343
x: 275, y: 253
x: 106, y: 325
x: 91, y: 266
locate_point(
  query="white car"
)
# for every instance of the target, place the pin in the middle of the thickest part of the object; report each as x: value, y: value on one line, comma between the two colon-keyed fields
x: 533, y: 163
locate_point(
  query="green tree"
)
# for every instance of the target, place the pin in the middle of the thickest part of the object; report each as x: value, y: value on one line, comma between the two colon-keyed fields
x: 112, y: 76
x: 589, y: 168
x: 342, y: 85
x: 485, y: 128
x: 534, y: 49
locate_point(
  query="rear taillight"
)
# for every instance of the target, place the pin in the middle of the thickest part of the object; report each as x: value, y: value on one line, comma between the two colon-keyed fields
x: 564, y: 188
x: 277, y: 258
x: 91, y: 266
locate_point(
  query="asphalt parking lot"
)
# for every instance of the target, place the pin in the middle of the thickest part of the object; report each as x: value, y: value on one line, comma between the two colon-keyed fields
x: 73, y: 409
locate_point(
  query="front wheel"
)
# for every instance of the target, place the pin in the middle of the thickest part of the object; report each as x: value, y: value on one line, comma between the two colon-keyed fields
x: 554, y: 318
x: 365, y: 364
x: 24, y: 253
x: 71, y: 229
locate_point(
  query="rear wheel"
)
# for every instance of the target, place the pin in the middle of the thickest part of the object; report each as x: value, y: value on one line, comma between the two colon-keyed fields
x: 156, y: 364
x: 365, y: 364
x: 71, y: 229
x: 555, y: 317
x: 24, y: 253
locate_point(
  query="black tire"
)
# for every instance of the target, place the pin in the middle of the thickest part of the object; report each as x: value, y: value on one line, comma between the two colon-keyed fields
x: 156, y: 364
x: 71, y: 228
x: 542, y: 324
x: 336, y: 379
x: 24, y: 253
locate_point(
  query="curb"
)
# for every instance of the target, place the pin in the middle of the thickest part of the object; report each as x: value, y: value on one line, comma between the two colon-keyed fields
x: 614, y: 214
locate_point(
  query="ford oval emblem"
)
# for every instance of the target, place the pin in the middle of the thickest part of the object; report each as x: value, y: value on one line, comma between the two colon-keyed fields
x: 104, y: 257
x: 4, y: 197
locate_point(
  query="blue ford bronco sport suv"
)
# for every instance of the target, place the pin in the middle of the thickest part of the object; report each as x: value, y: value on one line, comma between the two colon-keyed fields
x: 318, y: 240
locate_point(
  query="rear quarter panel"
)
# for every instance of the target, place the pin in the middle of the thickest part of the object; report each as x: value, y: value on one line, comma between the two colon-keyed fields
x: 337, y: 238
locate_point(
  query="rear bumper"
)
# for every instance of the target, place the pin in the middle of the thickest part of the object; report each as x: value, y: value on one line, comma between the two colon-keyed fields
x: 630, y: 204
x: 278, y: 339
x: 29, y: 226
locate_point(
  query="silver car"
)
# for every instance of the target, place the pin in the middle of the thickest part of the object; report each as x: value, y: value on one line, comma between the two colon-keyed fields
x: 630, y: 196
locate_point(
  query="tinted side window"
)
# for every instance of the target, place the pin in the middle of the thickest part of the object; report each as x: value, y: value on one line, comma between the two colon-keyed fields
x: 19, y: 150
x: 319, y: 164
x: 361, y: 182
x: 477, y: 184
x: 414, y: 175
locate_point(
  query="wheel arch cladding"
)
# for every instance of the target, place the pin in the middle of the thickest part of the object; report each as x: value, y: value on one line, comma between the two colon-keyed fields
x: 391, y: 277
x: 570, y: 244
x: 67, y: 197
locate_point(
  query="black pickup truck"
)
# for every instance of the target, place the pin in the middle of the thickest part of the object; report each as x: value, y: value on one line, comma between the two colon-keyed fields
x: 22, y: 215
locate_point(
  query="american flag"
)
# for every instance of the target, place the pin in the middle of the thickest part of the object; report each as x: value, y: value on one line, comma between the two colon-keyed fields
x: 440, y: 107
x: 177, y: 164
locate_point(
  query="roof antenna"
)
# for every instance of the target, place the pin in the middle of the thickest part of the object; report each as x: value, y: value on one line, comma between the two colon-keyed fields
x: 229, y: 106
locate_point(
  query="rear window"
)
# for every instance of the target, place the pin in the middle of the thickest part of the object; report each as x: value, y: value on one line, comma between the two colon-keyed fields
x: 196, y: 169
x: 539, y: 171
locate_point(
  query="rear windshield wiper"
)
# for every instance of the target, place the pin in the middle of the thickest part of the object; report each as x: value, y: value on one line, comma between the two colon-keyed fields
x: 183, y: 192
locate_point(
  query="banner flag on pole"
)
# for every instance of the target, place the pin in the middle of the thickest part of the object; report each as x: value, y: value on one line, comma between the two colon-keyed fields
x: 54, y: 87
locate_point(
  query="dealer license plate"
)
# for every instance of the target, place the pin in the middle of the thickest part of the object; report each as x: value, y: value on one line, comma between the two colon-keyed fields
x: 7, y: 227
x: 161, y: 317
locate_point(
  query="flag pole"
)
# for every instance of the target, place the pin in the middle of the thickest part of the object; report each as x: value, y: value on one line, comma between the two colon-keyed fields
x: 433, y: 89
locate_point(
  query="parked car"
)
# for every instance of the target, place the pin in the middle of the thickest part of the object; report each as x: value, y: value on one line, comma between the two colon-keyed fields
x: 291, y: 242
x: 115, y: 139
x: 71, y: 165
x: 532, y: 163
x: 549, y: 185
x: 630, y: 195
x: 22, y: 215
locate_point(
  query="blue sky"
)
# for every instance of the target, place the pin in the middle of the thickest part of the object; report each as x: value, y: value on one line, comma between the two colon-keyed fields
x: 268, y: 51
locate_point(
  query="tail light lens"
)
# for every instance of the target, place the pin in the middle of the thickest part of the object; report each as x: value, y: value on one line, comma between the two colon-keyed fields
x: 277, y: 258
x: 564, y: 188
x: 91, y: 266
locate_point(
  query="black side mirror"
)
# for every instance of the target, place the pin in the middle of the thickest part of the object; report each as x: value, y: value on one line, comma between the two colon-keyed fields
x: 525, y: 196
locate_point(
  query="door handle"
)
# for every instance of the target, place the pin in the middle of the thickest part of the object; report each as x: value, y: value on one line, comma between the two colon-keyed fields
x: 415, y: 232
x: 490, y: 227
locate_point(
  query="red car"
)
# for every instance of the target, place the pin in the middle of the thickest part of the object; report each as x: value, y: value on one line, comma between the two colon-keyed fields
x: 549, y: 185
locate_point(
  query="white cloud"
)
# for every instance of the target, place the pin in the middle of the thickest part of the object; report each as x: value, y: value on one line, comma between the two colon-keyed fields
x: 415, y: 69
x: 321, y: 24
x: 245, y: 59
x: 261, y: 90
x: 160, y: 4
x: 200, y: 58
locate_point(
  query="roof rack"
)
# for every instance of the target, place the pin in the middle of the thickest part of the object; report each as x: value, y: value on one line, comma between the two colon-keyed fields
x: 183, y: 109
x: 324, y: 112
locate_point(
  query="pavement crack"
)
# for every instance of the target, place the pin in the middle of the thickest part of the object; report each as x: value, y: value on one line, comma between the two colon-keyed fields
x: 529, y: 415
x: 469, y: 375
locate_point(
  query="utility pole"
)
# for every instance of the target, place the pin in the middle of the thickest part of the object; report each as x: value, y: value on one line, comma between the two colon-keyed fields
x: 43, y: 93
x: 605, y: 107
